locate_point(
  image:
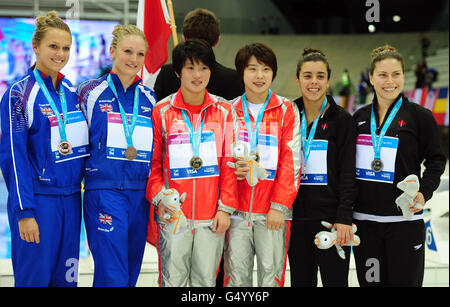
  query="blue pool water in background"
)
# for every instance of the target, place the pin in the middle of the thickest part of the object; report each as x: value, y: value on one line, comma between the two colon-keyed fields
x: 5, y: 233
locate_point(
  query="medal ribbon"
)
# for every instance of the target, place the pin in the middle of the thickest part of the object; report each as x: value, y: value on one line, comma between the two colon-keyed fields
x: 306, y: 142
x: 194, y: 136
x: 62, y: 96
x: 128, y: 130
x: 377, y: 140
x: 254, y: 134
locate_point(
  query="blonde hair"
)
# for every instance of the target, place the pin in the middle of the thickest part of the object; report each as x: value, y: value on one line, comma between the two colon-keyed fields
x: 120, y: 31
x: 385, y: 52
x: 45, y: 22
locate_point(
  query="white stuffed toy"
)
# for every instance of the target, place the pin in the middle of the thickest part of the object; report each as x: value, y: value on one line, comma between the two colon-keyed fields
x: 172, y: 200
x: 410, y: 186
x: 326, y: 239
x: 256, y: 172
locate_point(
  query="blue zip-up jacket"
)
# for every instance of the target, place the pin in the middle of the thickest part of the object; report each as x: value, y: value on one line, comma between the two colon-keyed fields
x: 27, y: 160
x: 97, y: 100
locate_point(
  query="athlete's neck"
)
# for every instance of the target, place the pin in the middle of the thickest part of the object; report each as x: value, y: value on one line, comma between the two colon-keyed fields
x: 47, y: 72
x: 312, y: 108
x: 255, y: 97
x: 192, y: 98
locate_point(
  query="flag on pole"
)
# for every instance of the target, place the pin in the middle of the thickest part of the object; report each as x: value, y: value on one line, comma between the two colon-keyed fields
x: 153, y: 18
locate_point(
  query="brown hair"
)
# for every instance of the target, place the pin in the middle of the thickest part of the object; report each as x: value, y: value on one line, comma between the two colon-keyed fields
x: 261, y: 52
x: 45, y: 22
x: 121, y: 30
x: 203, y: 24
x: 385, y: 52
x: 312, y: 55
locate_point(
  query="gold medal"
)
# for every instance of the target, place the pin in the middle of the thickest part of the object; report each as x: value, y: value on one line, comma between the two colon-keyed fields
x: 64, y: 148
x: 196, y: 163
x: 131, y: 153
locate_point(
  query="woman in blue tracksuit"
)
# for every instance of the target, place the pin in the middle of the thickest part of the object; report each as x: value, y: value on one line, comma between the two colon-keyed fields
x: 42, y: 150
x: 118, y: 110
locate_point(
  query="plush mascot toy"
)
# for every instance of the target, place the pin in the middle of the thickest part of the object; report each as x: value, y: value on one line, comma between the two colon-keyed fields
x: 410, y: 186
x: 326, y: 239
x: 256, y: 173
x: 172, y: 200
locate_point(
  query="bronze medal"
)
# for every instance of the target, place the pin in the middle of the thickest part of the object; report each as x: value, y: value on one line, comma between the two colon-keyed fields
x: 196, y: 163
x: 131, y: 153
x: 64, y: 148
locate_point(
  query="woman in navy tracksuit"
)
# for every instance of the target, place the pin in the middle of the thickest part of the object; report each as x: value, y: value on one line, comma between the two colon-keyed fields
x: 118, y: 110
x: 42, y: 150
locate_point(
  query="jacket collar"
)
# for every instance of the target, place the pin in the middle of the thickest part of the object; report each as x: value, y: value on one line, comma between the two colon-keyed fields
x: 119, y: 85
x: 47, y: 79
x: 177, y: 100
x: 330, y: 110
x: 274, y: 101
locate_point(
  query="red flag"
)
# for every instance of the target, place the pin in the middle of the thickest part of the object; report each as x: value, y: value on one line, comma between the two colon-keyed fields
x: 153, y: 19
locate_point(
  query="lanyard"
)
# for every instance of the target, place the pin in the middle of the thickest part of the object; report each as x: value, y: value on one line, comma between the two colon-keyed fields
x: 128, y: 130
x: 377, y: 140
x: 194, y: 136
x: 253, y: 134
x: 306, y: 142
x: 61, y: 123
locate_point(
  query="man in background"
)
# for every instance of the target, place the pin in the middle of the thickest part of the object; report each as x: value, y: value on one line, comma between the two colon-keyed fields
x: 201, y: 24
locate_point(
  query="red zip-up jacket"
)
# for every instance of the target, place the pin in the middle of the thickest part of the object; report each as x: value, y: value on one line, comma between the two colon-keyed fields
x: 281, y: 122
x: 204, y: 195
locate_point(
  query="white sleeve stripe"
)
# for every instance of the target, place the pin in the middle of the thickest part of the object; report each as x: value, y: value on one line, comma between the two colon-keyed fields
x: 12, y: 149
x: 30, y: 103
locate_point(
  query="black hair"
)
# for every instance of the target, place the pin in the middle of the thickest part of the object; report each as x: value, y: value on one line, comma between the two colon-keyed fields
x: 196, y: 50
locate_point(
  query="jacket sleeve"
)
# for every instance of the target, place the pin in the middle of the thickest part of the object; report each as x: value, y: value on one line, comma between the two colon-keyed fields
x: 155, y: 183
x: 287, y: 180
x: 346, y: 146
x: 228, y: 180
x: 431, y: 150
x: 14, y: 162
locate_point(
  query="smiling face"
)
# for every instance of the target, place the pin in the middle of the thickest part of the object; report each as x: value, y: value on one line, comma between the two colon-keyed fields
x: 194, y: 77
x: 313, y: 81
x: 129, y: 56
x: 52, y: 51
x: 387, y: 79
x: 257, y: 80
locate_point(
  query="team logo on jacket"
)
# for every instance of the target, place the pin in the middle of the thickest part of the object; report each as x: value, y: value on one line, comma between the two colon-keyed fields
x: 146, y: 109
x: 47, y: 111
x: 324, y: 126
x: 105, y: 219
x: 106, y: 107
x: 401, y: 123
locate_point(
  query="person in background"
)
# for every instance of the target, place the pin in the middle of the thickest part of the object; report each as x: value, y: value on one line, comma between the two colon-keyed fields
x: 42, y: 150
x: 327, y: 187
x: 118, y: 110
x: 224, y: 82
x: 395, y: 137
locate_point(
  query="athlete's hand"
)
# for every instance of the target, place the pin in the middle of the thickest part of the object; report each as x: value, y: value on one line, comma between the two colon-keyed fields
x: 162, y: 210
x: 221, y: 222
x: 274, y: 219
x: 29, y: 230
x: 418, y: 199
x: 242, y: 169
x: 344, y: 233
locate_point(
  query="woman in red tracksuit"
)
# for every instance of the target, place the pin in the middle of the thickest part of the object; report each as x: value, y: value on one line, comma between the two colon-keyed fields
x: 269, y: 127
x: 190, y: 252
